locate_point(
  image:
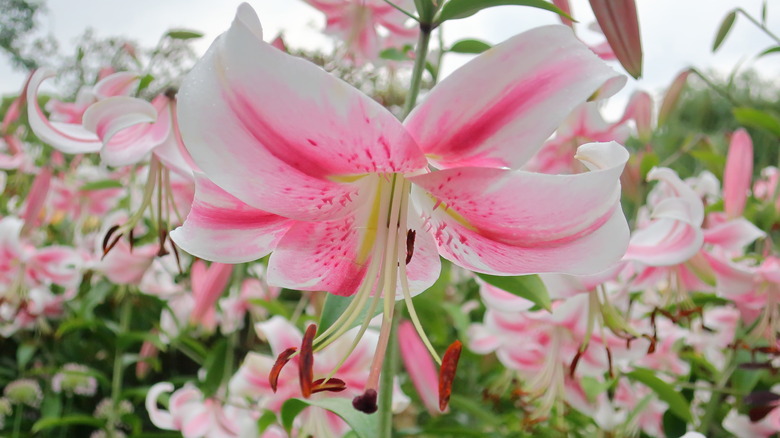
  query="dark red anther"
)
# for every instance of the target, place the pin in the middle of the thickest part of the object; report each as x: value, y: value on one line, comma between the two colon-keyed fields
x: 107, y: 242
x: 306, y: 364
x: 449, y: 364
x: 410, y: 235
x: 609, y: 362
x: 366, y: 402
x: 281, y: 361
x: 332, y: 385
x: 574, y: 362
x: 163, y: 237
x: 131, y: 239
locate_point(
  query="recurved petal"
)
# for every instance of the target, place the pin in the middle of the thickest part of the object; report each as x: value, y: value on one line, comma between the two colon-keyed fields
x: 126, y: 127
x: 123, y: 83
x: 665, y: 242
x: 70, y: 138
x: 223, y: 229
x: 508, y: 222
x: 160, y: 418
x: 733, y: 235
x: 250, y: 112
x: 497, y: 110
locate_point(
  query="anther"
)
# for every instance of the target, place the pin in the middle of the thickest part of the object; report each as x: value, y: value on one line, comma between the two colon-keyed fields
x: 366, y: 402
x: 306, y: 362
x: 331, y: 385
x: 449, y: 364
x: 410, y: 235
x: 281, y: 361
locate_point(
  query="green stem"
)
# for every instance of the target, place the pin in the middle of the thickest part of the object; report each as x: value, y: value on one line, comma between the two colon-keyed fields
x: 18, y: 420
x: 716, y: 88
x: 402, y: 10
x: 389, y: 370
x: 125, y: 314
x: 759, y: 25
x: 715, y: 399
x: 420, y: 55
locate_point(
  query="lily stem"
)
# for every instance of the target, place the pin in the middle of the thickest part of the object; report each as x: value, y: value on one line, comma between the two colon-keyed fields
x: 716, y: 399
x: 420, y: 56
x: 125, y: 314
x: 389, y: 370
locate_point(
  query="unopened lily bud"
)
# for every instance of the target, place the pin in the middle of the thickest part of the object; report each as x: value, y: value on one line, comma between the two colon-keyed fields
x: 618, y: 21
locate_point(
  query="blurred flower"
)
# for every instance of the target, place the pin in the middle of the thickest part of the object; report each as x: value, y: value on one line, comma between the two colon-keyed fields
x: 24, y: 392
x: 74, y: 379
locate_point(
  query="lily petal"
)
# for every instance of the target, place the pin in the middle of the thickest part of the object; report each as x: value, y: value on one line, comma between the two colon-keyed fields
x: 223, y: 229
x: 123, y: 125
x: 497, y: 110
x: 67, y: 137
x: 304, y: 131
x: 507, y: 222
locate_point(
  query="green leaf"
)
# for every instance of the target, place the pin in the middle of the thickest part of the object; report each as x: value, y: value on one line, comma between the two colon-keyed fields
x: 274, y: 307
x: 24, y: 354
x: 145, y: 81
x: 334, y: 307
x: 394, y: 54
x: 215, y: 367
x: 48, y: 423
x: 754, y: 118
x: 183, y: 34
x: 724, y: 29
x: 474, y: 407
x: 678, y: 405
x: 469, y: 46
x: 529, y: 287
x: 364, y: 425
x: 268, y: 418
x: 769, y: 51
x: 101, y: 185
x: 457, y: 9
x: 425, y: 10
x: 649, y: 161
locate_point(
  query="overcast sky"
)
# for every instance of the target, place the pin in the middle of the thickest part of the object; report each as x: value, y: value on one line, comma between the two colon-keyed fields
x: 675, y: 33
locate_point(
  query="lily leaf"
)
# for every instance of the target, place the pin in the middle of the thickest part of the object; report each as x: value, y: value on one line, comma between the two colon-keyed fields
x: 101, y: 185
x: 678, y: 405
x: 724, y: 29
x: 183, y: 34
x: 469, y: 46
x: 758, y: 119
x: 363, y: 425
x: 48, y: 423
x: 529, y: 287
x: 457, y: 9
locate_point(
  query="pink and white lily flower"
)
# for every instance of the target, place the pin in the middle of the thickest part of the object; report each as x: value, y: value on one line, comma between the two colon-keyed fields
x: 357, y: 22
x: 356, y: 203
x: 250, y: 383
x: 198, y: 417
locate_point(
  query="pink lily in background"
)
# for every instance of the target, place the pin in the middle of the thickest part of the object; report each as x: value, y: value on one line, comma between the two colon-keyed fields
x: 420, y: 367
x: 584, y: 125
x: 357, y: 22
x: 207, y: 286
x: 352, y: 203
x: 738, y: 174
x: 198, y: 417
x: 250, y: 384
